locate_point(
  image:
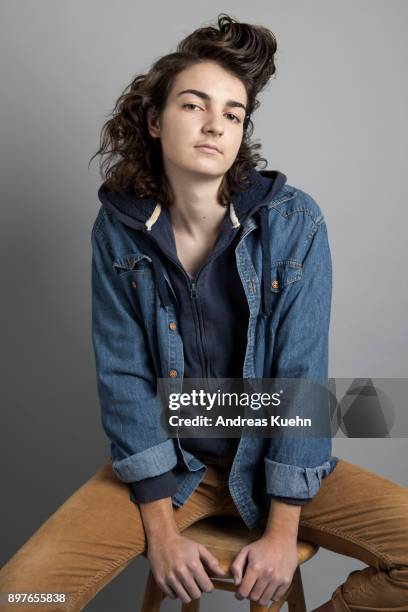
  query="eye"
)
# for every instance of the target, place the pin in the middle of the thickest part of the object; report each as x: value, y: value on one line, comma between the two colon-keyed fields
x: 190, y: 104
x: 238, y: 120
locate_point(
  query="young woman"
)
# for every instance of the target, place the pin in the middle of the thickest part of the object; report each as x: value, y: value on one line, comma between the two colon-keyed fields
x: 204, y: 266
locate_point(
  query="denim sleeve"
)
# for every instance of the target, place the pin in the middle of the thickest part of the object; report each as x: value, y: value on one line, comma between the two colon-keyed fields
x: 294, y: 467
x: 126, y: 379
x: 157, y: 487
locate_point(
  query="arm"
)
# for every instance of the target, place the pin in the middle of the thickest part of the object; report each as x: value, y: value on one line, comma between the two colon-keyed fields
x: 125, y: 374
x: 127, y: 390
x: 158, y: 519
x: 265, y: 568
x: 177, y: 562
x: 295, y: 466
x: 283, y: 519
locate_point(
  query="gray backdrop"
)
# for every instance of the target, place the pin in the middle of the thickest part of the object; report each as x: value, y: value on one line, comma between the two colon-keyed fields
x: 333, y: 120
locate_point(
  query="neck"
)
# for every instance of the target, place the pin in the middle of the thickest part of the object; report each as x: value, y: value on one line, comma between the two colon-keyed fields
x: 195, y: 209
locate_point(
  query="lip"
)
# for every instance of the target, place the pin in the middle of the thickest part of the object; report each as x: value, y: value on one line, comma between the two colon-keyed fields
x: 208, y: 148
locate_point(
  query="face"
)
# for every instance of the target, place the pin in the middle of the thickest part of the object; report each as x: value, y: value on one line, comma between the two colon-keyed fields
x: 212, y: 112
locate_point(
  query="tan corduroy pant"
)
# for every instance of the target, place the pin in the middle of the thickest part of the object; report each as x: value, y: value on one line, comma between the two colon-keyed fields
x: 98, y: 531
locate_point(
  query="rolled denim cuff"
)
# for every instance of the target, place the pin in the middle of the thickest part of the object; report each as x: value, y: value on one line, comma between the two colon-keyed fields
x: 285, y: 480
x: 149, y: 462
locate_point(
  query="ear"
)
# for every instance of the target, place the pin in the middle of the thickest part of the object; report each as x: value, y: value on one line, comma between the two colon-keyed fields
x: 153, y: 123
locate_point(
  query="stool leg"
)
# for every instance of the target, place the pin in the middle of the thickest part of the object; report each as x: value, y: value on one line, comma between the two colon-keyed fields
x: 296, y: 599
x: 256, y: 607
x: 153, y: 596
x: 193, y: 606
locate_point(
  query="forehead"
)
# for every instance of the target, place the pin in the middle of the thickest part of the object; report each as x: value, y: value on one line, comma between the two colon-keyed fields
x: 217, y: 82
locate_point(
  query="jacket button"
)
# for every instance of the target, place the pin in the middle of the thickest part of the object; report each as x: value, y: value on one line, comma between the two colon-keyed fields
x: 172, y: 326
x: 172, y: 373
x: 275, y: 284
x: 134, y: 285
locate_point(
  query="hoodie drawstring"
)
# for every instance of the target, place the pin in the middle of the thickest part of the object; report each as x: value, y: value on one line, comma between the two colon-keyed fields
x: 233, y: 216
x: 160, y: 280
x: 266, y: 261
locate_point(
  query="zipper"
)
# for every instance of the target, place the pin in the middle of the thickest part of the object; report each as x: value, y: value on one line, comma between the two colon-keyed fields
x: 199, y: 323
x: 192, y: 286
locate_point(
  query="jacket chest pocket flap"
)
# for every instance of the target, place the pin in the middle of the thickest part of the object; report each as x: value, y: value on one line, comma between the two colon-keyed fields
x: 283, y: 273
x: 133, y: 262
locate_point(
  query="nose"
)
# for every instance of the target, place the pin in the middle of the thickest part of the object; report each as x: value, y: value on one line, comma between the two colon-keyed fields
x: 213, y: 125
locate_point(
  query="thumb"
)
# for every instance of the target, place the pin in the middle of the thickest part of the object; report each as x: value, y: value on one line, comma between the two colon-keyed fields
x: 237, y: 566
x: 209, y: 559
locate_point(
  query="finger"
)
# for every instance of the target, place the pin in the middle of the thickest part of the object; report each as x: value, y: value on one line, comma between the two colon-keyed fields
x: 167, y: 590
x: 161, y: 583
x: 187, y: 579
x: 211, y: 561
x: 257, y: 590
x: 268, y: 594
x: 247, y: 584
x: 281, y: 590
x: 178, y: 588
x: 202, y: 579
x: 237, y: 566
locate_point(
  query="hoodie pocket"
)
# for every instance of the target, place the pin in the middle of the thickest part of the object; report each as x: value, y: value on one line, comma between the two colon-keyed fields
x: 283, y: 273
x: 133, y: 262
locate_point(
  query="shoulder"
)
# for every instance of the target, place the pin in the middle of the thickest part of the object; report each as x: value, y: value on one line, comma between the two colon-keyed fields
x: 295, y: 221
x: 98, y: 226
x: 293, y: 201
x: 118, y: 237
x: 105, y: 222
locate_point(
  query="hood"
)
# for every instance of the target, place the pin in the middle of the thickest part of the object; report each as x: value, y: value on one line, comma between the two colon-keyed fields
x: 142, y: 213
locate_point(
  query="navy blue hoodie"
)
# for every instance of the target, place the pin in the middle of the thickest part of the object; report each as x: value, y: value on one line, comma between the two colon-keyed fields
x: 212, y: 307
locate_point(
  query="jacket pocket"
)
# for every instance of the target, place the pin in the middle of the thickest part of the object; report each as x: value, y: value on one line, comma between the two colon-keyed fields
x: 135, y: 270
x: 283, y: 273
x: 133, y: 262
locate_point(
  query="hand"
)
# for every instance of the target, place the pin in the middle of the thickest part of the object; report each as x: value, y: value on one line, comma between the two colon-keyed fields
x: 271, y: 563
x: 176, y: 563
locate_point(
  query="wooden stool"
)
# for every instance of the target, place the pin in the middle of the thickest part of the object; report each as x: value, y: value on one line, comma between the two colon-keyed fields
x: 224, y: 536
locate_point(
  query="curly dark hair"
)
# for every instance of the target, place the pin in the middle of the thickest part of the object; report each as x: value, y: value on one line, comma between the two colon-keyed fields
x: 133, y: 159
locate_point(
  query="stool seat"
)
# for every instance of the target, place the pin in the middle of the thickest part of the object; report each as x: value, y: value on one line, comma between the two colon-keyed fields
x: 225, y: 536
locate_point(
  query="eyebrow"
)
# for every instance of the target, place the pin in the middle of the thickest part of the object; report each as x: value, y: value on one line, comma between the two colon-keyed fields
x: 205, y: 96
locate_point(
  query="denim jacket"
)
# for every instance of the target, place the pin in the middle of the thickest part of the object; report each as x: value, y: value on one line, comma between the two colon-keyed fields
x: 136, y: 340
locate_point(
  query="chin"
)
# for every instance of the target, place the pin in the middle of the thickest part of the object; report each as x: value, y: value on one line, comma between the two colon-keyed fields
x: 207, y: 166
x: 206, y: 172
